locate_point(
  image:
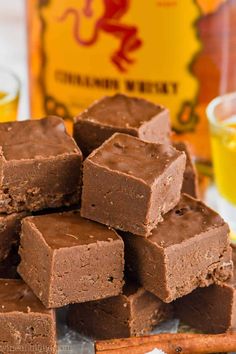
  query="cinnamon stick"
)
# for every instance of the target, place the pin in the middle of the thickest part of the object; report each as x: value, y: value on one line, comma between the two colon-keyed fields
x: 184, y: 343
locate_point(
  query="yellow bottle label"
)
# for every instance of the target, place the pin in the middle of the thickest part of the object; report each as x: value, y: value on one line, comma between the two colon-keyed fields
x: 91, y: 48
x: 210, y: 6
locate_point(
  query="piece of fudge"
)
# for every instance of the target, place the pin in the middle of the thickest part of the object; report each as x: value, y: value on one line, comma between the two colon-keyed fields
x: 26, y: 326
x: 132, y: 313
x: 40, y: 166
x: 189, y: 249
x: 123, y: 114
x: 212, y: 309
x: 129, y: 184
x: 9, y: 232
x: 67, y: 259
x: 8, y: 267
x: 190, y: 183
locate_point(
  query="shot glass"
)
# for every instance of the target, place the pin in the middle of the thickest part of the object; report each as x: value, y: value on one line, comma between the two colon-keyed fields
x: 221, y: 114
x: 9, y: 95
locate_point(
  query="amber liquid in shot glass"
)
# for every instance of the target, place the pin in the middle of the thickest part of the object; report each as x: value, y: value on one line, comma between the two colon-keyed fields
x: 9, y: 96
x: 222, y: 118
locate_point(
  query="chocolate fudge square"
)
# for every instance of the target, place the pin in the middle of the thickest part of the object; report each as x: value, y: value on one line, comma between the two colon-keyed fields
x: 67, y: 259
x: 189, y: 249
x: 212, y: 309
x: 10, y: 225
x: 40, y: 166
x: 129, y: 184
x: 121, y: 114
x: 190, y: 183
x: 26, y: 326
x: 132, y: 313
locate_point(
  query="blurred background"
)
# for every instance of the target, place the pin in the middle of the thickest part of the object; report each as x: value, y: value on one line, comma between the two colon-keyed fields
x: 13, y: 46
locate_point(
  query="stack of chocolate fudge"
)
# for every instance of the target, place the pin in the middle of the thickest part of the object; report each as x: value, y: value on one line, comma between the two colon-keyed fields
x: 109, y: 223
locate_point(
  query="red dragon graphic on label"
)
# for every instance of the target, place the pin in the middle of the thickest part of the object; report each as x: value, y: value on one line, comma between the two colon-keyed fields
x: 109, y: 22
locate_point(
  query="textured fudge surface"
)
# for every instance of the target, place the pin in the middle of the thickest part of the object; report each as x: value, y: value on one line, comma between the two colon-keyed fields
x: 24, y: 321
x: 32, y: 139
x: 232, y: 282
x: 9, y: 232
x: 135, y: 158
x: 133, y: 313
x: 190, y: 248
x: 120, y: 113
x: 212, y: 309
x: 67, y: 259
x: 16, y: 296
x: 40, y: 166
x: 187, y: 220
x: 190, y: 183
x: 128, y: 183
x: 69, y: 229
